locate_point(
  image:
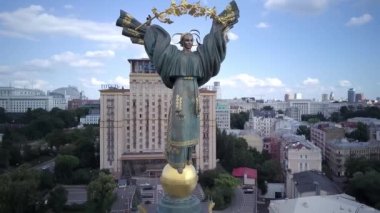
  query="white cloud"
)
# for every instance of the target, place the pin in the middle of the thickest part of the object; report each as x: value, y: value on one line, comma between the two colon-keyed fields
x: 311, y: 81
x: 262, y: 25
x: 251, y: 81
x: 232, y: 36
x: 91, y: 59
x: 357, y: 21
x: 344, y: 83
x: 96, y: 82
x: 100, y: 54
x: 121, y: 81
x: 4, y: 69
x: 34, y: 20
x: 34, y: 84
x: 298, y: 6
x: 44, y: 63
x: 68, y: 6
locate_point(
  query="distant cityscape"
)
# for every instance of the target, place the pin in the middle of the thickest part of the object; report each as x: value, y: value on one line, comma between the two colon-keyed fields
x: 133, y: 129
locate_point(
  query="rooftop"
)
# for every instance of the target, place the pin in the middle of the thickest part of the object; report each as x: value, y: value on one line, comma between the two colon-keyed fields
x: 308, y: 181
x: 340, y: 203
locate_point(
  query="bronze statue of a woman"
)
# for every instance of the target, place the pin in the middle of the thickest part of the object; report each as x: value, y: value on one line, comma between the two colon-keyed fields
x: 183, y: 71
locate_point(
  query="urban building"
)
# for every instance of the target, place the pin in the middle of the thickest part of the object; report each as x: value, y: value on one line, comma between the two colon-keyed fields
x: 297, y: 96
x: 340, y: 150
x: 17, y: 100
x: 329, y: 203
x: 310, y: 183
x: 261, y: 121
x: 323, y: 132
x: 133, y: 124
x: 218, y: 90
x: 77, y: 103
x: 70, y: 92
x: 373, y: 126
x: 286, y: 97
x: 359, y: 97
x: 273, y: 146
x: 351, y: 95
x: 223, y: 115
x: 325, y: 97
x: 293, y: 112
x: 300, y: 155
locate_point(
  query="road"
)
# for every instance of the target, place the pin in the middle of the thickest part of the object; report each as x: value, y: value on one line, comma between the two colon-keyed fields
x: 241, y: 203
x: 124, y: 199
x: 76, y: 194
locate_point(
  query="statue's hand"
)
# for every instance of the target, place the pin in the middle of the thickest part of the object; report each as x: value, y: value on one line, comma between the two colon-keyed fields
x: 148, y: 21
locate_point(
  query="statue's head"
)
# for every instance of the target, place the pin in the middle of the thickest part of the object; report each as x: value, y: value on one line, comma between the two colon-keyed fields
x: 187, y: 39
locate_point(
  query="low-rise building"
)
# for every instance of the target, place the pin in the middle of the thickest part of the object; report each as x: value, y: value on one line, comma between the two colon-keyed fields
x: 340, y: 150
x: 310, y: 183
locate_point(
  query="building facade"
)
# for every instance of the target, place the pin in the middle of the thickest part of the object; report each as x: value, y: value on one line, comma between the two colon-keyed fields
x: 323, y: 132
x: 16, y: 100
x: 133, y: 124
x: 223, y: 115
x: 339, y: 151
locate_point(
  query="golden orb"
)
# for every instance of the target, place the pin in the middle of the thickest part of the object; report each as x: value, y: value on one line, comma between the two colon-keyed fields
x: 178, y: 185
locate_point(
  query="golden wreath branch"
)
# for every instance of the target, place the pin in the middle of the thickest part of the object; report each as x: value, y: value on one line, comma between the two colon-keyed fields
x: 195, y: 10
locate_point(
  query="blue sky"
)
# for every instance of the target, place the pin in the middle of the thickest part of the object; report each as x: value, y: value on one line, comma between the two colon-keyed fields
x: 278, y: 46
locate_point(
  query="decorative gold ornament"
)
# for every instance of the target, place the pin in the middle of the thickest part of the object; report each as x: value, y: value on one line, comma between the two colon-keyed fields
x: 227, y: 17
x: 178, y: 185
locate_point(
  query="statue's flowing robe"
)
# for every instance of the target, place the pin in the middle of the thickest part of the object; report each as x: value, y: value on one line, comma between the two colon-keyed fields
x: 184, y: 72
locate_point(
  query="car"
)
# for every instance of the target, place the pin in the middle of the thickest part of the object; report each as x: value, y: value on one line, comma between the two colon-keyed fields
x: 122, y: 183
x: 248, y: 189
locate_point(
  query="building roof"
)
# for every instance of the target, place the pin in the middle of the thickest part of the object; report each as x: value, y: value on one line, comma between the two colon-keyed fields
x: 241, y: 171
x: 340, y: 203
x: 310, y: 181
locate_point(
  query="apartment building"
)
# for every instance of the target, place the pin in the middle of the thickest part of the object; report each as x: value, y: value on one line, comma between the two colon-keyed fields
x: 223, y: 115
x: 340, y: 150
x: 323, y: 132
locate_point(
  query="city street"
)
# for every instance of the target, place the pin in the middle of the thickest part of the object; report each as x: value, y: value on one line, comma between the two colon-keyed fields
x: 241, y: 203
x: 76, y: 194
x: 124, y: 199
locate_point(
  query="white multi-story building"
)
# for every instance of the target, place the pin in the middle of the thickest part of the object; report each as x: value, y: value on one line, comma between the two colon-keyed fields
x: 302, y: 156
x: 262, y: 122
x: 133, y: 124
x: 20, y: 100
x: 223, y: 115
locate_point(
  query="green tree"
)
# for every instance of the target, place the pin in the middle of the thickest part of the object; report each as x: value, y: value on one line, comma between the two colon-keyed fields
x: 57, y: 199
x: 100, y: 193
x: 365, y: 188
x: 361, y: 133
x: 57, y: 138
x: 304, y: 130
x: 47, y: 180
x: 18, y: 190
x: 268, y: 108
x: 238, y: 120
x: 3, y: 116
x: 64, y: 167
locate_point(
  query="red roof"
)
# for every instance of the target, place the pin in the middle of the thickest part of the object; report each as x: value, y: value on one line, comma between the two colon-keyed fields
x: 241, y: 171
